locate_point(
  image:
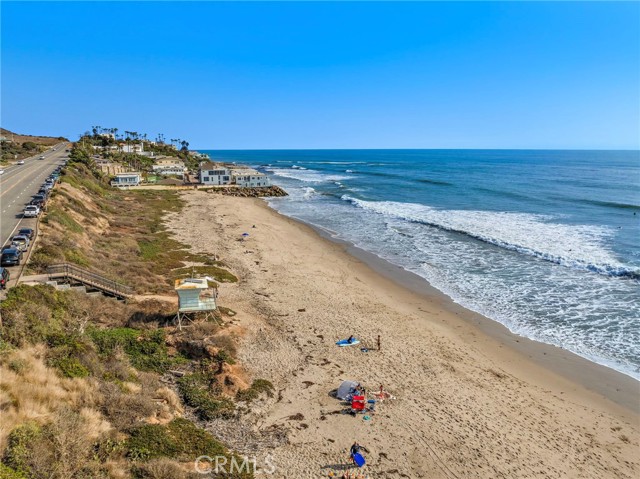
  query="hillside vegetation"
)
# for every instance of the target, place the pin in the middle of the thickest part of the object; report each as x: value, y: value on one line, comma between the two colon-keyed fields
x: 119, y: 234
x: 16, y: 146
x: 95, y: 388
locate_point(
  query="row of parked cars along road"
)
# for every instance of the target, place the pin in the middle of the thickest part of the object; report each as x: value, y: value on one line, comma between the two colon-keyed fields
x: 12, y: 253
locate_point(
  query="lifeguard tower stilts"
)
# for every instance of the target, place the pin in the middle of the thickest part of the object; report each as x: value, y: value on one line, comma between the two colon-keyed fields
x: 195, y: 295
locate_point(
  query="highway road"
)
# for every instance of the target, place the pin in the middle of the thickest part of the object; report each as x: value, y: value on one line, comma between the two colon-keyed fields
x: 19, y: 183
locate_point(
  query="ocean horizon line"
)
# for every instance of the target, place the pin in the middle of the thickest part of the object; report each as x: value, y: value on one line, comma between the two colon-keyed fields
x: 420, y: 149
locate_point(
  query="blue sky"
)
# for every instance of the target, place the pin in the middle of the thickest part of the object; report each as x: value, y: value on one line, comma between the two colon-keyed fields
x: 328, y: 75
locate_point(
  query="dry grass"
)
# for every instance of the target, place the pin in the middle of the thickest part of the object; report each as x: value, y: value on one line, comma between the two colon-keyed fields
x: 36, y: 392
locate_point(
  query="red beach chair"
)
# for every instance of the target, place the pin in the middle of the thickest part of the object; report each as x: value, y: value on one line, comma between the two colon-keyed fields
x: 358, y: 404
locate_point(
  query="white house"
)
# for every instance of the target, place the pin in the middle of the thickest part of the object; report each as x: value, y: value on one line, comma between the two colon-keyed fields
x: 169, y: 170
x: 250, y: 179
x: 219, y: 174
x: 123, y: 180
x: 168, y: 161
x: 214, y: 174
x: 132, y: 148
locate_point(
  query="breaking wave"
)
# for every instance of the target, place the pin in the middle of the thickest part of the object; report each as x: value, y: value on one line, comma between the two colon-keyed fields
x: 576, y: 246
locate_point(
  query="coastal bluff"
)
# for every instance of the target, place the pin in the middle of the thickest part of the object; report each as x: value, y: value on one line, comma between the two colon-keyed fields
x: 247, y: 192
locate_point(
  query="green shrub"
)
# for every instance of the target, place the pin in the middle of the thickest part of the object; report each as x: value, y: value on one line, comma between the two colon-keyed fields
x: 65, y: 352
x: 8, y: 473
x: 64, y: 219
x: 180, y: 439
x: 146, y: 350
x: 258, y: 387
x: 219, y: 274
x: 200, y: 391
x: 69, y: 367
x: 44, y: 257
x: 31, y: 313
x: 77, y: 257
x: 19, y: 447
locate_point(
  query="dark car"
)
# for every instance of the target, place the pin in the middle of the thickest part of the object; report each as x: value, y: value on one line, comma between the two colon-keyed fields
x: 28, y: 232
x: 4, y: 278
x: 11, y: 257
x: 7, y: 246
x: 35, y: 202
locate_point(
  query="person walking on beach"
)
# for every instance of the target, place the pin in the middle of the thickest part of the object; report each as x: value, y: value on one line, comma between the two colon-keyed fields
x: 356, y: 457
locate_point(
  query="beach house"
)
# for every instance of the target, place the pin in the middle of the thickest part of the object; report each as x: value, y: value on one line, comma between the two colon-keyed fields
x: 214, y: 174
x: 124, y: 180
x: 218, y: 174
x: 249, y: 178
x: 169, y: 166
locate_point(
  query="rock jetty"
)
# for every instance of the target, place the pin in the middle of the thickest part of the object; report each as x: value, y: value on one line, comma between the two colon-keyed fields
x: 246, y: 192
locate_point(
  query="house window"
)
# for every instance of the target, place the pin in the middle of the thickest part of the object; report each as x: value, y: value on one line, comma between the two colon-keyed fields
x: 206, y: 178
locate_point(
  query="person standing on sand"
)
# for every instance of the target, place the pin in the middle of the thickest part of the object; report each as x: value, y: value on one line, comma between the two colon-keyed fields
x: 378, y: 342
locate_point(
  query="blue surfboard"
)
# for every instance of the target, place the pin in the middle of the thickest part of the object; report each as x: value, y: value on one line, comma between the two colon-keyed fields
x: 358, y: 459
x: 345, y: 342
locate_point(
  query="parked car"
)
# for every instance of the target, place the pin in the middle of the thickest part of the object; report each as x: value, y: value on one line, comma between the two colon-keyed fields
x: 41, y: 157
x: 36, y: 202
x: 20, y: 162
x: 40, y: 196
x: 4, y: 278
x: 7, y: 246
x: 28, y: 232
x: 21, y: 242
x: 1, y: 171
x: 11, y: 257
x: 31, y: 211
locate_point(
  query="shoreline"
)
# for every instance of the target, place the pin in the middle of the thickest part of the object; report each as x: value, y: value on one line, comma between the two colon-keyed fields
x: 620, y: 388
x: 471, y: 397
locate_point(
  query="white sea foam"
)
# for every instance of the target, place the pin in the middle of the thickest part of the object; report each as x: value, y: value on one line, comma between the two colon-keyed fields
x: 307, y: 176
x: 578, y: 246
x: 308, y: 192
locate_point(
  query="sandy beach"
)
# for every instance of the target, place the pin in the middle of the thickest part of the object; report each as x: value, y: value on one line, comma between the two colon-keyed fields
x: 471, y: 400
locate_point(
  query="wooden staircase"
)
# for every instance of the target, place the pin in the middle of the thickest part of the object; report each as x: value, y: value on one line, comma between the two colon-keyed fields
x: 72, y: 274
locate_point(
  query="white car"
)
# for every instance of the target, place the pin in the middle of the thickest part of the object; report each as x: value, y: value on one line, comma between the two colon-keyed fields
x: 1, y: 172
x: 20, y: 162
x: 31, y: 211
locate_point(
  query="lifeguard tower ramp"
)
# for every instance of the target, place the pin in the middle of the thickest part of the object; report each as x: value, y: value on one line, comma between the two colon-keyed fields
x: 195, y: 295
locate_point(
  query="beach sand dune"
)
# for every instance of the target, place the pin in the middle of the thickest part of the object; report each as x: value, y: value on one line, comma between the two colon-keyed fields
x: 466, y: 406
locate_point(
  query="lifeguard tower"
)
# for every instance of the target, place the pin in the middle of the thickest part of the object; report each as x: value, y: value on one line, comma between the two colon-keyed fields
x: 195, y: 295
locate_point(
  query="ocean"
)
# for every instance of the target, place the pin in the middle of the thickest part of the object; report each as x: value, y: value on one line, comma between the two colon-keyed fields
x: 544, y: 242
